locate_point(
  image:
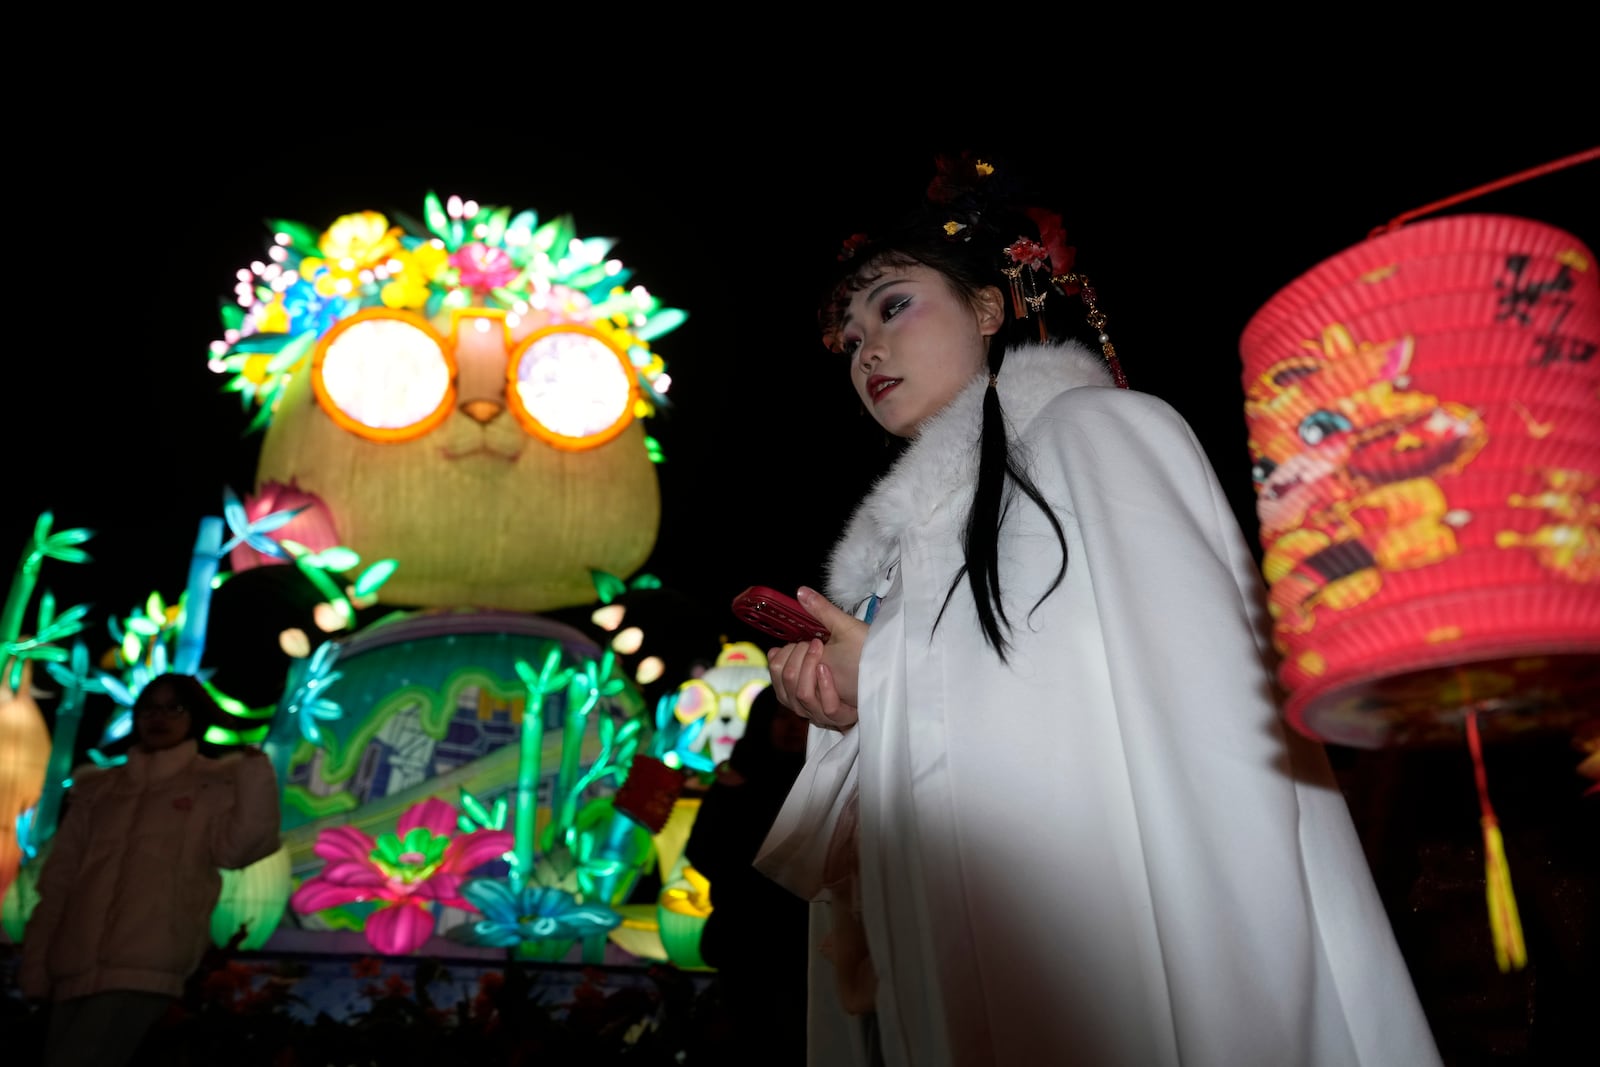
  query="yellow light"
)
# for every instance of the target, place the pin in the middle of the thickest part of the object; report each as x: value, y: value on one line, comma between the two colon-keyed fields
x: 609, y: 617
x: 295, y: 643
x: 628, y: 641
x: 650, y: 668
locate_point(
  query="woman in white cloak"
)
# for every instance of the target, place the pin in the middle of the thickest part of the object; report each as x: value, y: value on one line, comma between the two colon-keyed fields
x: 1050, y: 814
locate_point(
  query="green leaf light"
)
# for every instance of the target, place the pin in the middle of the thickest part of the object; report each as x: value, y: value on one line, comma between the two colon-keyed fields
x: 374, y: 577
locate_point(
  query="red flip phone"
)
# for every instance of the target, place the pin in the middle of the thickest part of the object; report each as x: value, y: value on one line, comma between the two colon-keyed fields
x: 777, y: 615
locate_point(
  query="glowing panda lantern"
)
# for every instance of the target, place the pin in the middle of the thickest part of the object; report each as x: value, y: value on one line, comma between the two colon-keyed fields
x: 462, y: 395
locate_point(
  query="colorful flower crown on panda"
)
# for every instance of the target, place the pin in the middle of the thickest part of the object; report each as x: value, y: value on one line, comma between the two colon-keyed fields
x: 461, y: 254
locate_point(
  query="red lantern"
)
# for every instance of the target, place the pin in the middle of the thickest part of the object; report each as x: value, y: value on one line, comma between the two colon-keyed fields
x: 1424, y: 417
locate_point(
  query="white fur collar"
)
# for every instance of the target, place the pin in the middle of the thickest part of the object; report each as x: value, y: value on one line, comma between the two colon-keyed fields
x: 936, y: 472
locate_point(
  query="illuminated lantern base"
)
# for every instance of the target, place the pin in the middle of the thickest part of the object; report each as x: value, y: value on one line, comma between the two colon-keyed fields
x: 22, y: 895
x: 254, y: 897
x: 1424, y: 421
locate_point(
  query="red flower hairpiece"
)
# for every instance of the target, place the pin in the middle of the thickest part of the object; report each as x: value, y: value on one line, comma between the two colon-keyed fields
x: 1054, y: 236
x: 1027, y: 253
x: 851, y: 246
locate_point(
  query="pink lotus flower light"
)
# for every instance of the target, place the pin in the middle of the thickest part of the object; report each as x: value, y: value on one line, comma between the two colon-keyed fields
x: 423, y: 861
x: 484, y: 267
x: 313, y: 527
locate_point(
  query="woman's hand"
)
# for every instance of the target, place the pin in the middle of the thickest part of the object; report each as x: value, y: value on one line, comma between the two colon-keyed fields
x: 817, y: 680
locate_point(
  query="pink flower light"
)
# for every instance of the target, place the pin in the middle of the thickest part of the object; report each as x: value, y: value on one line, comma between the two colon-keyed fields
x: 483, y: 267
x: 423, y: 861
x: 313, y: 527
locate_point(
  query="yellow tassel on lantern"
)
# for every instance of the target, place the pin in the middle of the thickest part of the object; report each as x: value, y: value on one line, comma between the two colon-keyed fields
x: 1509, y: 951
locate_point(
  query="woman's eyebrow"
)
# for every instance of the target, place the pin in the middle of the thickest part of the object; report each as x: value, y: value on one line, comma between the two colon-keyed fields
x: 871, y: 295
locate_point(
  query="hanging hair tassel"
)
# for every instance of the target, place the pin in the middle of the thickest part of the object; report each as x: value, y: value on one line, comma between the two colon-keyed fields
x: 1036, y: 305
x: 1019, y: 304
x: 1510, y: 953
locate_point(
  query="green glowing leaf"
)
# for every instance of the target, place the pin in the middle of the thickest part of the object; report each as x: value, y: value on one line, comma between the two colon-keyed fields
x: 433, y: 211
x: 652, y: 448
x: 495, y: 232
x: 41, y: 526
x: 301, y: 237
x: 663, y: 321
x: 589, y: 276
x: 70, y: 537
x: 337, y: 559
x: 220, y: 735
x: 261, y: 343
x: 519, y: 233
x: 479, y: 813
x: 154, y: 607
x: 130, y: 647
x: 231, y: 313
x: 292, y: 352
x: 645, y: 581
x: 374, y: 576
x: 608, y: 586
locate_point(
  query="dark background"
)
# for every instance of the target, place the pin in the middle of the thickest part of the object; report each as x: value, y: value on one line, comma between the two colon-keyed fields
x: 1189, y: 210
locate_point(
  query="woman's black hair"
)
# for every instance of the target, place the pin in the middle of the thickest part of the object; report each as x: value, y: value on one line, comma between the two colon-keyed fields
x: 961, y: 231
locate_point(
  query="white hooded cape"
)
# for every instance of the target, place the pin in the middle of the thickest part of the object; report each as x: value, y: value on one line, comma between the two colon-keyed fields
x: 1111, y: 851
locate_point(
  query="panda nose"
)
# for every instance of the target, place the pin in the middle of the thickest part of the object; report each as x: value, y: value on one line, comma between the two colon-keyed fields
x: 481, y: 410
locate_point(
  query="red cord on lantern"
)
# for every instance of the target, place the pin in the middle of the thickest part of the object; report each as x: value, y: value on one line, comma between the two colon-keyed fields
x: 1522, y: 176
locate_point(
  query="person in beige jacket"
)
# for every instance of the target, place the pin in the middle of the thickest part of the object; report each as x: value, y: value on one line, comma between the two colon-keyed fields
x: 126, y: 895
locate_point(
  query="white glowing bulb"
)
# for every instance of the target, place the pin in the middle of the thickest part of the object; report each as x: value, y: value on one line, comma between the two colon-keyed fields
x: 609, y: 617
x: 469, y: 208
x: 295, y: 643
x: 366, y: 277
x: 343, y: 286
x: 640, y: 293
x: 520, y: 307
x: 453, y: 206
x: 216, y: 366
x: 282, y: 238
x: 650, y: 668
x: 513, y: 320
x: 481, y: 230
x: 256, y: 266
x: 278, y: 253
x: 613, y: 266
x: 481, y: 325
x: 243, y: 274
x: 663, y: 382
x: 347, y: 264
x: 327, y: 617
x: 231, y: 336
x: 628, y: 641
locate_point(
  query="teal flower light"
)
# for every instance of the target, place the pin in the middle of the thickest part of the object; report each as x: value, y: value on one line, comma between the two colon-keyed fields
x: 537, y: 913
x: 307, y: 704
